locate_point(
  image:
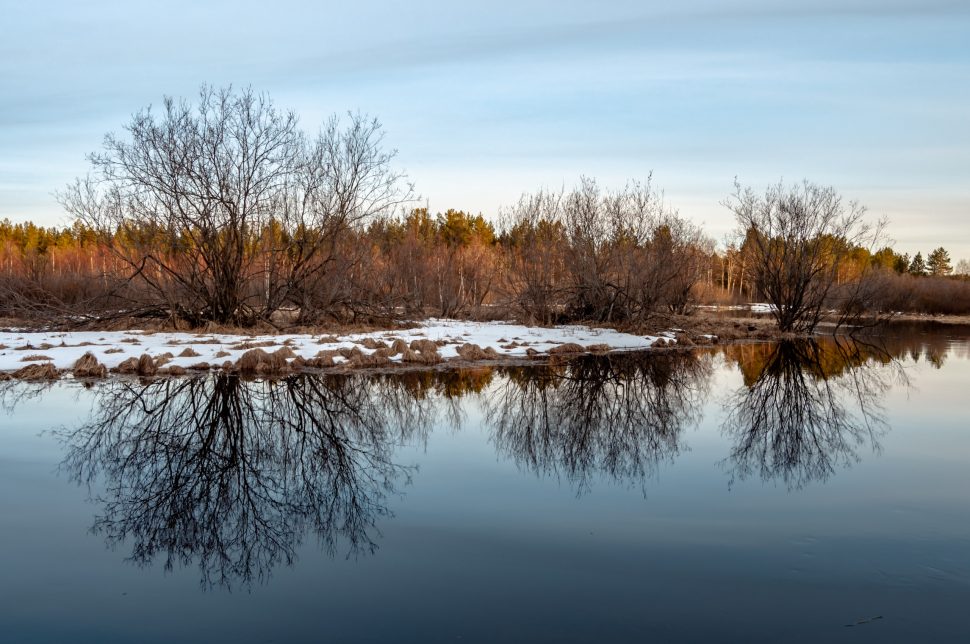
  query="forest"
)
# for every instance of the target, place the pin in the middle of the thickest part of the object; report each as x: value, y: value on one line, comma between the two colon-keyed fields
x: 225, y: 211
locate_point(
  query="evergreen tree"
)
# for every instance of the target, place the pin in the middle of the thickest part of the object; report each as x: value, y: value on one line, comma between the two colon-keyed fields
x: 917, y: 266
x: 939, y: 263
x: 901, y: 264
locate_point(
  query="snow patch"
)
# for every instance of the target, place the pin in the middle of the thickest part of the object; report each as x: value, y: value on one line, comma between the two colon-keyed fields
x: 113, y: 347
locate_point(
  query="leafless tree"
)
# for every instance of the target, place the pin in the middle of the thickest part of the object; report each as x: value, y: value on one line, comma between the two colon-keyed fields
x: 604, y: 255
x: 619, y: 416
x: 226, y: 211
x: 802, y: 236
x: 810, y: 409
x: 231, y: 475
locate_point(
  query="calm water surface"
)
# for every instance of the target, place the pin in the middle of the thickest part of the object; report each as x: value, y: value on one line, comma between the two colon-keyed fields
x: 777, y: 492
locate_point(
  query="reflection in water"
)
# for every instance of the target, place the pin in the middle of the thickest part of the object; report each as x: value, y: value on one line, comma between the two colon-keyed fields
x: 806, y: 408
x: 231, y: 474
x: 618, y: 416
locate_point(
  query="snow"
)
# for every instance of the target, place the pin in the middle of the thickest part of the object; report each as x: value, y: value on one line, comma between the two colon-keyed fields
x: 64, y: 348
x: 754, y: 307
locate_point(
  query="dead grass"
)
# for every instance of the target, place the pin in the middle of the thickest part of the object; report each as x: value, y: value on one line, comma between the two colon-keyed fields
x: 257, y: 362
x: 568, y: 348
x: 473, y: 352
x: 144, y: 365
x: 240, y: 346
x: 87, y: 366
x: 44, y: 371
x: 37, y: 357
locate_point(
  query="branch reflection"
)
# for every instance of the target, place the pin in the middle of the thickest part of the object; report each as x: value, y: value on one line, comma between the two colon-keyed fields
x: 618, y: 416
x: 807, y: 407
x: 231, y: 475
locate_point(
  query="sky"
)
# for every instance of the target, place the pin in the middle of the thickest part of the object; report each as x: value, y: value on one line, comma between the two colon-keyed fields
x: 486, y: 101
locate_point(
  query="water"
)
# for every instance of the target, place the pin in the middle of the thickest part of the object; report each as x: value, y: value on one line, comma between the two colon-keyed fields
x: 773, y: 492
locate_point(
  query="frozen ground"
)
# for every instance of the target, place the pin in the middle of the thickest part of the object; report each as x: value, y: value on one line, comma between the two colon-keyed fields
x: 62, y: 349
x: 754, y: 307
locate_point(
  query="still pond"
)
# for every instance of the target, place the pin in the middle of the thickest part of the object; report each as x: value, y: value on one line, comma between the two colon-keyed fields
x: 797, y: 491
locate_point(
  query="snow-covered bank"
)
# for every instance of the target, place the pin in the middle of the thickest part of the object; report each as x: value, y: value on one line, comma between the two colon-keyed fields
x: 185, y: 350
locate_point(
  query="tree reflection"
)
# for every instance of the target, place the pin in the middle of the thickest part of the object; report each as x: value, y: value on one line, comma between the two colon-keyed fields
x: 618, y: 415
x: 809, y: 409
x: 232, y: 474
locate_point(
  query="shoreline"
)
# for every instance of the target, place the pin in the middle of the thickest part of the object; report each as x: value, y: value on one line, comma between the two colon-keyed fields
x: 36, y: 355
x: 50, y: 355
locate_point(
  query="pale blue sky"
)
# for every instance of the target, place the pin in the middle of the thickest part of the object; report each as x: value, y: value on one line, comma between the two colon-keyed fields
x: 487, y: 100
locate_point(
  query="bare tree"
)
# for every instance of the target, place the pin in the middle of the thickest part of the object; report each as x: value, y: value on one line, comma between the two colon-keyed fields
x: 604, y: 255
x: 621, y: 416
x: 802, y: 235
x: 809, y: 410
x: 226, y: 211
x: 232, y: 475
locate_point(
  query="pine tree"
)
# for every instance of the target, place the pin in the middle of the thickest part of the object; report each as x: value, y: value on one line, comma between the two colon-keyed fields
x: 917, y: 266
x: 939, y: 263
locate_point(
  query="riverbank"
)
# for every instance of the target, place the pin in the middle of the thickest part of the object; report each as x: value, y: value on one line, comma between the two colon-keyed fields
x: 26, y: 354
x: 36, y: 354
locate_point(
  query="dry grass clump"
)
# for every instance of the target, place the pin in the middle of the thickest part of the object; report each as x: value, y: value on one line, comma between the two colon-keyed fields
x: 45, y: 371
x: 684, y: 340
x: 127, y: 366
x: 146, y: 365
x: 174, y: 370
x: 328, y: 339
x: 598, y: 348
x: 428, y: 355
x: 323, y: 360
x: 114, y: 350
x: 350, y: 353
x: 240, y: 346
x: 35, y: 358
x: 189, y: 352
x: 87, y: 366
x: 143, y: 366
x: 532, y: 353
x: 379, y: 358
x: 424, y: 345
x: 372, y: 344
x: 259, y: 362
x: 660, y: 343
x: 163, y: 359
x: 566, y: 349
x: 200, y: 366
x: 222, y: 354
x: 469, y: 351
x: 398, y: 347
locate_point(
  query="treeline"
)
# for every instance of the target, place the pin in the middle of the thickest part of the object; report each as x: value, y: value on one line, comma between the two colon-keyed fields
x: 555, y: 257
x: 224, y: 210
